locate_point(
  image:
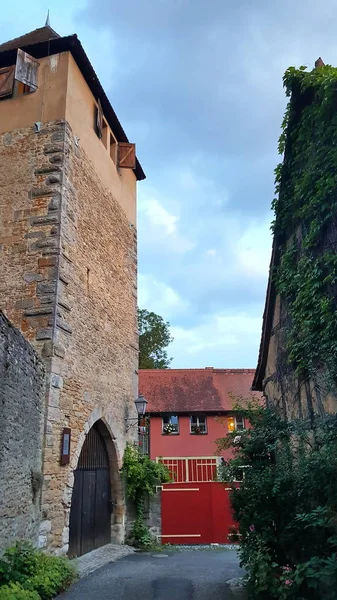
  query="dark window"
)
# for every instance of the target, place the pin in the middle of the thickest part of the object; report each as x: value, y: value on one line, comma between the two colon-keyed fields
x: 170, y: 424
x: 198, y: 424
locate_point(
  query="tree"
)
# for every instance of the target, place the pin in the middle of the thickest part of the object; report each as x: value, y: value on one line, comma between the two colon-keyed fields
x: 154, y: 337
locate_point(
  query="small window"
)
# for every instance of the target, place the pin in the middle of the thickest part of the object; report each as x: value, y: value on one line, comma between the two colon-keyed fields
x: 170, y: 424
x: 197, y: 425
x: 236, y: 423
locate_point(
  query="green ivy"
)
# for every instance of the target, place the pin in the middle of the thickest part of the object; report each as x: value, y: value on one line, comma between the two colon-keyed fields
x: 305, y: 223
x: 142, y: 475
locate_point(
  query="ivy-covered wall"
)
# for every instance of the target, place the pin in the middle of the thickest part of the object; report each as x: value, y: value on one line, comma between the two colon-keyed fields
x: 300, y: 374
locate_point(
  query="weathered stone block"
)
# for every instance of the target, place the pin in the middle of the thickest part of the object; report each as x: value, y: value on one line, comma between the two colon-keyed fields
x: 44, y: 220
x: 44, y: 333
x: 56, y: 158
x: 55, y: 178
x: 54, y: 203
x: 34, y: 312
x: 46, y: 287
x: 56, y: 381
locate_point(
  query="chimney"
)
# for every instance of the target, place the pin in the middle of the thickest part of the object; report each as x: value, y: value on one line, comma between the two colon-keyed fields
x: 319, y: 63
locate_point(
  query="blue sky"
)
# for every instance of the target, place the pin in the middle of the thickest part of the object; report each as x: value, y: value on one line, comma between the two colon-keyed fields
x: 198, y: 86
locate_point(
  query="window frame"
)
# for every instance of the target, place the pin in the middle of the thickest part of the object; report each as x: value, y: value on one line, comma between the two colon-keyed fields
x: 198, y: 424
x: 235, y: 421
x: 168, y: 417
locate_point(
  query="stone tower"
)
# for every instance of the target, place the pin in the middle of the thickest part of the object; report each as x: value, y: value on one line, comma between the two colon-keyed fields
x: 68, y: 273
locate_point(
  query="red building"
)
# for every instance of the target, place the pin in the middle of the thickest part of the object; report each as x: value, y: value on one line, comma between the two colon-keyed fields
x: 189, y: 409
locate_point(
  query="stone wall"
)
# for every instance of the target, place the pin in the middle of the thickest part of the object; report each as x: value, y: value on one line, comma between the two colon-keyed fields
x: 22, y: 403
x: 292, y: 396
x: 68, y: 274
x: 152, y: 514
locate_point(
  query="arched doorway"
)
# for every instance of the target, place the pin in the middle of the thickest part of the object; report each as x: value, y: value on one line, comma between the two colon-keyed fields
x: 91, y: 506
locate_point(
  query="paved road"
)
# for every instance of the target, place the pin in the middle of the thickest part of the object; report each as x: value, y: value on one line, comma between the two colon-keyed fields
x: 183, y: 575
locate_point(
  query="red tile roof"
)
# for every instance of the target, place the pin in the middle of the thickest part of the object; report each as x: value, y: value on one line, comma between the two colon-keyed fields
x: 194, y: 390
x: 42, y: 34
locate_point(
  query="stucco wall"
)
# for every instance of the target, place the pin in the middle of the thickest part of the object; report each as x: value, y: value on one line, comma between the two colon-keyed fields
x: 47, y: 103
x: 21, y: 426
x: 184, y: 443
x: 80, y: 114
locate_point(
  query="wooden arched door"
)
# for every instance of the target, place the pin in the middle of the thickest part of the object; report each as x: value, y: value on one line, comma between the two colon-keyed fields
x: 90, y: 514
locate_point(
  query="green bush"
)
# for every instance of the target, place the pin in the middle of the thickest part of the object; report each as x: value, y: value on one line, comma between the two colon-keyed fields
x: 141, y: 475
x: 286, y: 506
x: 53, y: 575
x: 14, y: 591
x: 38, y: 574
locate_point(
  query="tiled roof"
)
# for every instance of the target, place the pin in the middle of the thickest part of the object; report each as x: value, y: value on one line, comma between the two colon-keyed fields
x: 194, y: 390
x: 42, y: 34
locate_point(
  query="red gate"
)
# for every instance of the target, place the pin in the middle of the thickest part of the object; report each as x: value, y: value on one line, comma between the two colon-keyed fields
x: 196, y: 513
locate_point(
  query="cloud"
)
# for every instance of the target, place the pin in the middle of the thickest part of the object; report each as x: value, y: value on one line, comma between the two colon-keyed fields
x: 153, y: 293
x: 217, y: 342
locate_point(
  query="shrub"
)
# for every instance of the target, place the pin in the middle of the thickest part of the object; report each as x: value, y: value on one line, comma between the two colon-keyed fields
x: 14, y: 591
x: 286, y: 506
x: 53, y: 575
x: 18, y: 563
x: 38, y: 574
x: 141, y: 476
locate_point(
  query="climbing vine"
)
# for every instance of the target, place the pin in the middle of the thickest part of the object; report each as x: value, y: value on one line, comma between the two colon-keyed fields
x: 141, y: 475
x: 305, y: 224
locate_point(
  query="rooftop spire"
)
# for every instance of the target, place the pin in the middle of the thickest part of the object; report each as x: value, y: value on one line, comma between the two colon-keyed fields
x: 47, y: 24
x: 319, y: 63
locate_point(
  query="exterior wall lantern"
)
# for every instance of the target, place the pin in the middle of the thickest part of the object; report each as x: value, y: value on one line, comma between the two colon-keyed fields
x: 140, y: 404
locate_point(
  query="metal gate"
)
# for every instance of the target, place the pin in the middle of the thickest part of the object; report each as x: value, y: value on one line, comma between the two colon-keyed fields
x: 90, y: 515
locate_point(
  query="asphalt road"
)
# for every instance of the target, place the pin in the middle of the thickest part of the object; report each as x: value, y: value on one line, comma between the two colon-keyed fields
x: 183, y: 575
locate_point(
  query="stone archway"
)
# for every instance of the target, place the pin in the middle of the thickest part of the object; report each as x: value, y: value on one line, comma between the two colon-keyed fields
x: 96, y: 494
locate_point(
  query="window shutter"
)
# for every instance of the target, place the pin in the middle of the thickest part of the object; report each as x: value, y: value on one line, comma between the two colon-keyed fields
x: 99, y: 119
x: 126, y: 155
x: 26, y: 69
x: 6, y: 81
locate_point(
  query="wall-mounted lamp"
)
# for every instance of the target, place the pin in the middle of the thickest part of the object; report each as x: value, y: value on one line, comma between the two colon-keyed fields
x: 140, y: 404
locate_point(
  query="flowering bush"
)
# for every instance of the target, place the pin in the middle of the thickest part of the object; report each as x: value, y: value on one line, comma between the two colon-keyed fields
x: 286, y: 506
x: 168, y: 428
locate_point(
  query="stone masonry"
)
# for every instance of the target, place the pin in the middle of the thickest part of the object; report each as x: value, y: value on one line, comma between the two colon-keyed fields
x: 68, y: 282
x: 21, y: 427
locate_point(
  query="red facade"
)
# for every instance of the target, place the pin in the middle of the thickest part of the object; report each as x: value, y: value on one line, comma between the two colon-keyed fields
x: 189, y: 409
x: 186, y: 443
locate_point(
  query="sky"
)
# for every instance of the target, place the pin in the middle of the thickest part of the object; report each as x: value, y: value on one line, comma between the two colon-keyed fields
x: 197, y: 84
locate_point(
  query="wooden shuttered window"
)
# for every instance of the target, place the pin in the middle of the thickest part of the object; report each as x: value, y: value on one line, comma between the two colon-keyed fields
x: 21, y: 77
x: 126, y: 152
x: 99, y: 119
x: 126, y: 155
x: 26, y: 70
x: 6, y: 81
